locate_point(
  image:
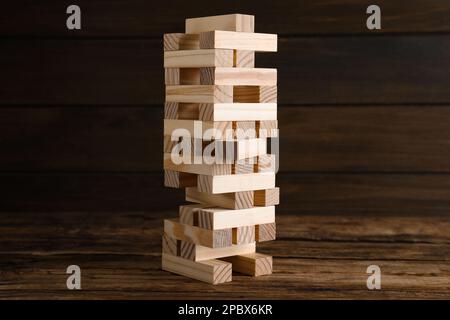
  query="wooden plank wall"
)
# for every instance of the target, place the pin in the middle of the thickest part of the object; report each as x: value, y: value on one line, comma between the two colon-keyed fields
x: 364, y: 115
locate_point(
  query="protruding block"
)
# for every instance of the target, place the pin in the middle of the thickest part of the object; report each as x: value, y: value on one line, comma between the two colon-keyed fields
x: 239, y: 41
x: 254, y: 264
x: 200, y: 236
x: 265, y: 232
x: 233, y: 200
x: 210, y: 271
x: 236, y: 183
x: 199, y: 58
x: 242, y: 235
x: 181, y: 41
x: 200, y: 94
x: 215, y: 218
x: 238, y: 76
x: 228, y: 22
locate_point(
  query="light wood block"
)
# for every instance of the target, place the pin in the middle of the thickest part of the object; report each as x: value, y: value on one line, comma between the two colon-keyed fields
x: 200, y: 94
x: 266, y: 232
x: 219, y: 39
x: 195, y: 252
x: 232, y: 149
x: 220, y: 111
x: 236, y: 183
x: 169, y: 245
x: 265, y: 163
x: 210, y: 271
x: 215, y: 218
x: 267, y: 129
x: 243, y: 235
x: 182, y: 76
x: 200, y: 236
x: 238, y: 76
x: 254, y: 264
x: 185, y: 111
x: 194, y: 128
x: 181, y: 41
x: 255, y: 94
x: 233, y: 200
x: 244, y: 59
x: 198, y: 58
x: 173, y: 179
x: 229, y: 22
x: 202, y: 168
x: 268, y: 197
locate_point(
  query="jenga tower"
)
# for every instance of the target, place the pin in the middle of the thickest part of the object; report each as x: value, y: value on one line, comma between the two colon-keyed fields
x: 220, y: 114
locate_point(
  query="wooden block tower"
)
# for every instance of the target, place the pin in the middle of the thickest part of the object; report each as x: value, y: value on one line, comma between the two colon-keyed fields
x: 220, y: 117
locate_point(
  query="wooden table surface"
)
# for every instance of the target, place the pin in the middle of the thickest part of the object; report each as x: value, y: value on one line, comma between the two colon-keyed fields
x: 315, y: 256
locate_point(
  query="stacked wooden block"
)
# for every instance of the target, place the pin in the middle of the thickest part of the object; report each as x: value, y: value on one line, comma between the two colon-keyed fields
x: 215, y: 100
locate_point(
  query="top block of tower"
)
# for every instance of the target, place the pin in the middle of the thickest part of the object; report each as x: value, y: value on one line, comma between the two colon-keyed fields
x: 228, y: 22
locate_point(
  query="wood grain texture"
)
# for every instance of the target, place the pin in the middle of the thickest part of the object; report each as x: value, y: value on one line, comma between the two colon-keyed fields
x: 228, y: 22
x: 265, y: 232
x: 210, y: 271
x: 319, y: 256
x: 214, y: 218
x: 236, y: 183
x: 238, y: 76
x: 243, y: 235
x: 198, y: 58
x: 233, y: 200
x: 337, y: 68
x: 249, y: 41
x: 267, y: 197
x: 253, y: 264
x: 200, y: 236
x: 181, y: 41
x: 141, y: 18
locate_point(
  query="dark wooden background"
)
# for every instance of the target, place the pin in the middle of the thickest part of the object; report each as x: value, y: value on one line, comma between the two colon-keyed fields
x: 364, y: 115
x: 364, y: 120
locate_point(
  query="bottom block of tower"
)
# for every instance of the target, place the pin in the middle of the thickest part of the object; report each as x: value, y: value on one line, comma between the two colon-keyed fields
x: 211, y: 271
x: 254, y: 264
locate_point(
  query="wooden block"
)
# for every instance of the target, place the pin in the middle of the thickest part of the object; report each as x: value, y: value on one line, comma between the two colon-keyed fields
x: 232, y: 149
x: 233, y: 200
x: 215, y: 218
x: 220, y: 111
x: 254, y: 264
x: 191, y: 251
x: 169, y: 245
x: 235, y: 183
x: 265, y: 232
x: 203, y: 237
x: 182, y: 76
x: 200, y: 94
x: 202, y: 168
x: 267, y: 128
x: 229, y: 22
x: 198, y: 58
x: 187, y: 250
x: 255, y: 94
x: 244, y: 59
x: 245, y: 166
x: 210, y: 271
x: 265, y: 163
x: 219, y: 39
x: 244, y: 129
x: 268, y: 197
x: 185, y: 111
x: 238, y: 76
x: 194, y: 128
x: 245, y: 234
x: 181, y: 41
x: 173, y: 179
